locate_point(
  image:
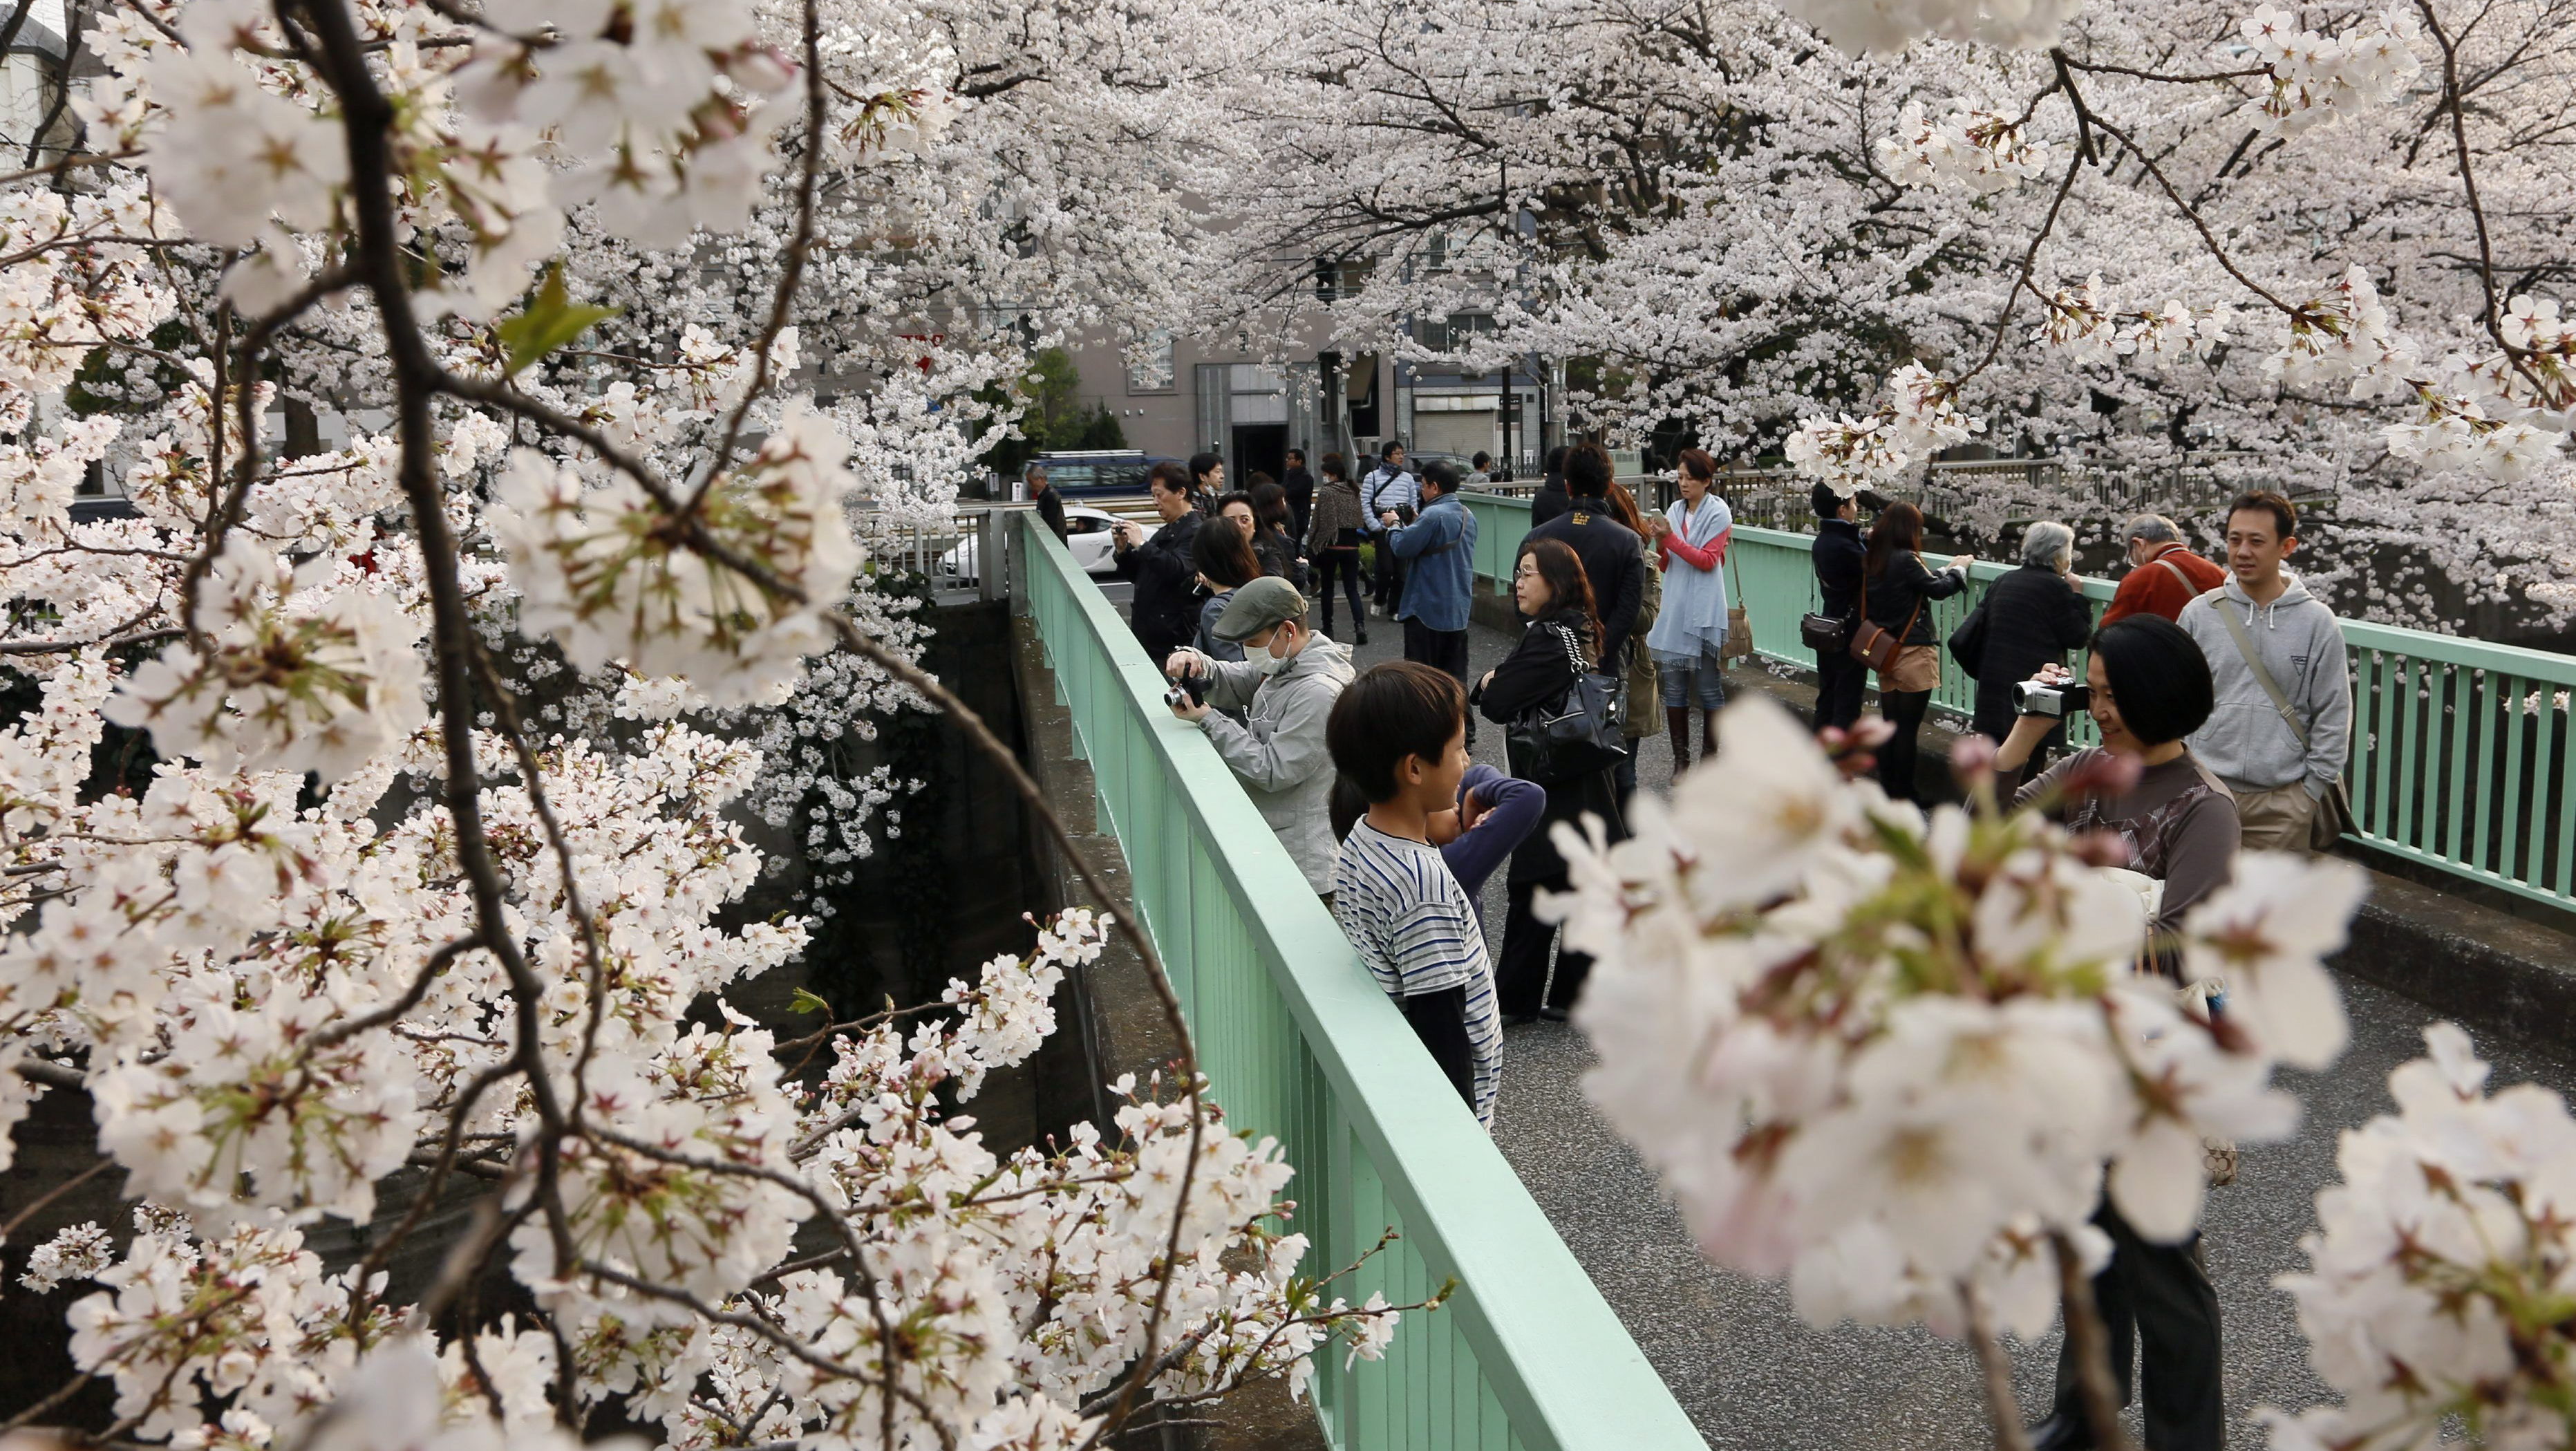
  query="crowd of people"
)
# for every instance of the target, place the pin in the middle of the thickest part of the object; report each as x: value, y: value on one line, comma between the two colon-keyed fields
x: 2220, y: 689
x: 2225, y: 689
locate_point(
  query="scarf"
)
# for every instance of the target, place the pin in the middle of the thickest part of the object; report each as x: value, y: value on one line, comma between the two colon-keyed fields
x: 1692, y: 619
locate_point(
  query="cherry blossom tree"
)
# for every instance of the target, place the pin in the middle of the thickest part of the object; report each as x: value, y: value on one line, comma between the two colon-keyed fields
x: 2321, y: 251
x: 432, y: 868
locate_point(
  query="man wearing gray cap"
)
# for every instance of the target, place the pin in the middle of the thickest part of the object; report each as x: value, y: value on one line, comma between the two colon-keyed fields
x: 1285, y: 684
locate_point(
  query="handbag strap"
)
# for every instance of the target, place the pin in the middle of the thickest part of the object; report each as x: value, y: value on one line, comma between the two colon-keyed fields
x: 2281, y: 702
x: 1908, y: 632
x: 1573, y: 654
x: 2177, y: 571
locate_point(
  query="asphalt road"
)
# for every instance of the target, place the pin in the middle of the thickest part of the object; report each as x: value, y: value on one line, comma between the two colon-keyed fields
x: 1752, y: 1375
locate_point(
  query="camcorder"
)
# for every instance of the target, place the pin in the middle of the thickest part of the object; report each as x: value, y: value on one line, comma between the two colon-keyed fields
x: 2038, y: 697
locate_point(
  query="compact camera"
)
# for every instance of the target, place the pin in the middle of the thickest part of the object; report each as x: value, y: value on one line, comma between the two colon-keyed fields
x: 2038, y: 697
x: 1188, y: 690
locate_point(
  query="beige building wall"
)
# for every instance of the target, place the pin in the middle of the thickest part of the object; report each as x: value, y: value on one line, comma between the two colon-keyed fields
x: 1192, y: 396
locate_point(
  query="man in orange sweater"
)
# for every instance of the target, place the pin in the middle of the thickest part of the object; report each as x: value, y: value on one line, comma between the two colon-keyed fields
x: 2163, y: 576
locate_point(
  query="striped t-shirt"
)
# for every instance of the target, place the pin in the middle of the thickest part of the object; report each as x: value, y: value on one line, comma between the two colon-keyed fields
x: 1418, y: 933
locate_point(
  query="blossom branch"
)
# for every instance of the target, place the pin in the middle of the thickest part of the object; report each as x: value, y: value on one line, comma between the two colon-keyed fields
x: 1995, y: 1369
x: 368, y: 121
x: 347, y: 1028
x: 2192, y: 214
x: 49, y: 1196
x: 2029, y: 261
x: 2090, y: 1343
x: 792, y: 269
x: 2454, y: 102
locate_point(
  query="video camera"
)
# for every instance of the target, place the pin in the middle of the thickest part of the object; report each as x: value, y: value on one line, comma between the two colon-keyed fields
x: 2039, y: 697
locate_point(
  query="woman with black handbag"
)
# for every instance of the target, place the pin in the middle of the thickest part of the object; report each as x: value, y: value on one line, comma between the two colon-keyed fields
x: 1894, y: 635
x: 1559, y: 648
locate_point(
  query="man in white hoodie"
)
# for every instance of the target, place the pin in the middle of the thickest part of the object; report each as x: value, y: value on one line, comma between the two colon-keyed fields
x: 2278, y: 777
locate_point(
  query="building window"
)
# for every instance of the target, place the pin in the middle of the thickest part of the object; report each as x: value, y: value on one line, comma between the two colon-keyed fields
x: 1149, y: 363
x: 1457, y: 331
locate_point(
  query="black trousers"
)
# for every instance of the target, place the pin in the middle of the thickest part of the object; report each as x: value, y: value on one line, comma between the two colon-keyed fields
x: 1896, y: 760
x: 2157, y: 1295
x: 1439, y: 649
x: 1390, y: 578
x: 1159, y: 649
x: 1439, y: 1019
x: 1840, y: 683
x: 1521, y: 977
x: 1346, y: 564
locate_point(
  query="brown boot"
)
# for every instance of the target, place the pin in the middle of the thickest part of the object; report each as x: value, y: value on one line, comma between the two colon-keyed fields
x: 1677, y: 721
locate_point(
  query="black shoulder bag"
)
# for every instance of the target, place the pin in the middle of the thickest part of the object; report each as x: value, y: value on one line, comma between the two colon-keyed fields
x: 1828, y: 634
x: 1576, y: 734
x: 1968, y: 642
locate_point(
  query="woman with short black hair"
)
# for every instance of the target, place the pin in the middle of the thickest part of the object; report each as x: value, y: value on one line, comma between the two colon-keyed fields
x: 2150, y: 687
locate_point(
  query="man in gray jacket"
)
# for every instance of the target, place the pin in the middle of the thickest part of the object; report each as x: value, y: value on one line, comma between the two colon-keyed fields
x: 2277, y: 778
x: 1285, y: 684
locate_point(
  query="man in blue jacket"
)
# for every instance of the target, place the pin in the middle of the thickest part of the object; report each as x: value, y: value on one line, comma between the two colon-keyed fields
x: 1438, y: 550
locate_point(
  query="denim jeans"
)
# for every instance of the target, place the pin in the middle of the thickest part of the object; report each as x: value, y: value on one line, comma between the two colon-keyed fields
x: 1679, y: 671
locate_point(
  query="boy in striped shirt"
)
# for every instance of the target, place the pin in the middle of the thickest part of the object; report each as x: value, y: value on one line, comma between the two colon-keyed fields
x: 1399, y: 733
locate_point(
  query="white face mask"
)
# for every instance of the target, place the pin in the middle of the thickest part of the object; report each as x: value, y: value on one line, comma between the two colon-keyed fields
x: 1273, y: 664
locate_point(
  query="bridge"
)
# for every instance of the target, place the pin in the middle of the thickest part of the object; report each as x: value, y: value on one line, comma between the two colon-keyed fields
x: 1581, y: 1314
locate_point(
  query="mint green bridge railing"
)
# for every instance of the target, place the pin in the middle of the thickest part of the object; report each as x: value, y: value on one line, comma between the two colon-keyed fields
x: 2460, y: 751
x: 1301, y: 1045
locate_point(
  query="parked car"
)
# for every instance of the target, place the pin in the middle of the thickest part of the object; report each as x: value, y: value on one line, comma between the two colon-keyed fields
x: 1098, y: 473
x: 1087, y: 534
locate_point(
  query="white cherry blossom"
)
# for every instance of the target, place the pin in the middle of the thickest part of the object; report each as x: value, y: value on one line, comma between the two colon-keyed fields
x: 1892, y: 1056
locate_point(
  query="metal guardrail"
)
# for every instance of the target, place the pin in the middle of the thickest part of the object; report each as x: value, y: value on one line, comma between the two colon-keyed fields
x: 1300, y: 1044
x: 2463, y: 751
x: 950, y: 555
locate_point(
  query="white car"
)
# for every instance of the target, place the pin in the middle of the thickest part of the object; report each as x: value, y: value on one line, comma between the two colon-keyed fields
x: 1087, y: 534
